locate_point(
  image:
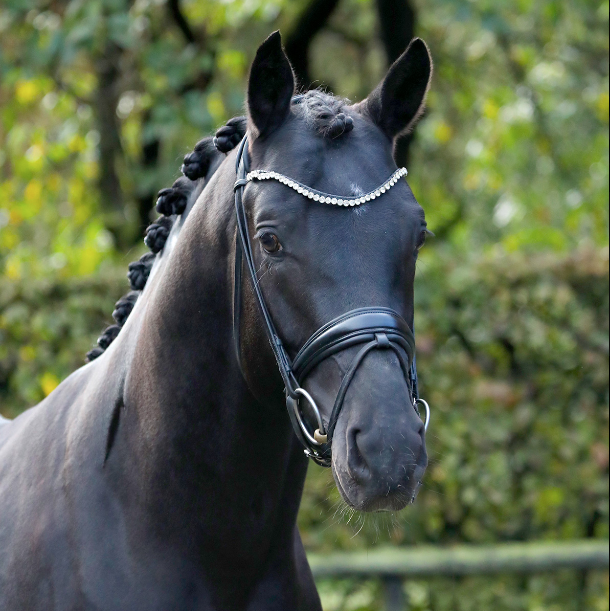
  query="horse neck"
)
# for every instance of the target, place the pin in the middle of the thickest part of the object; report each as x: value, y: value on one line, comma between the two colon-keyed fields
x: 199, y: 445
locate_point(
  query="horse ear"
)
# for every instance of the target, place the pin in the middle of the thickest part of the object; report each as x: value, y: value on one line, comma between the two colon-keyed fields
x: 399, y: 100
x: 270, y: 88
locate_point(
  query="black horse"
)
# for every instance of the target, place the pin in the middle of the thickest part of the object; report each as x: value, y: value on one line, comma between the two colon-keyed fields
x: 165, y: 475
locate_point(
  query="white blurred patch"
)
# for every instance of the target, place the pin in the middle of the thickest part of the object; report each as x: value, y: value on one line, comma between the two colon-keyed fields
x: 566, y: 109
x: 545, y: 165
x: 58, y: 260
x: 50, y: 100
x: 46, y: 21
x: 93, y: 138
x: 104, y: 239
x: 599, y: 171
x: 574, y: 198
x: 521, y: 111
x: 34, y: 153
x: 505, y: 211
x: 474, y: 148
x: 548, y: 73
x: 127, y: 103
x: 483, y: 43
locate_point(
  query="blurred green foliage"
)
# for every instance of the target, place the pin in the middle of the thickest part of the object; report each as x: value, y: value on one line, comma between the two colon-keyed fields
x: 513, y: 357
x: 510, y: 164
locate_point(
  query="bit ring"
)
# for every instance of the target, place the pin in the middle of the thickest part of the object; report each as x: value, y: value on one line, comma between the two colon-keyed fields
x: 319, y: 437
x: 428, y: 412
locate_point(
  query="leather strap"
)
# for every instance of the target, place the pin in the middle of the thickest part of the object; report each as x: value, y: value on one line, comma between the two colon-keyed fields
x: 282, y: 360
x: 381, y: 341
x: 352, y: 328
x: 237, y: 299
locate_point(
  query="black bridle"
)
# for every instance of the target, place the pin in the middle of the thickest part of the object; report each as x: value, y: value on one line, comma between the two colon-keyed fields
x: 376, y: 328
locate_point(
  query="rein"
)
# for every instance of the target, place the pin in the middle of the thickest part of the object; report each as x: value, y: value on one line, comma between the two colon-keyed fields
x: 375, y: 328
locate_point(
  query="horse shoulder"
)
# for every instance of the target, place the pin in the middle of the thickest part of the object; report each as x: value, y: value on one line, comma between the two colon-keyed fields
x: 46, y: 453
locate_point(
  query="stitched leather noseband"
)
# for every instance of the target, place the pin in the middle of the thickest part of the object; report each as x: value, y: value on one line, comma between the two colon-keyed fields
x: 376, y: 328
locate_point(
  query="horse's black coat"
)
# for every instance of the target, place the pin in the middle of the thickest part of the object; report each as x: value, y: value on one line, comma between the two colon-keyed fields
x: 158, y: 477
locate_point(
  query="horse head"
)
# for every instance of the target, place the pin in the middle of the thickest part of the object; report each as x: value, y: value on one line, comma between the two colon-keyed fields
x: 334, y: 231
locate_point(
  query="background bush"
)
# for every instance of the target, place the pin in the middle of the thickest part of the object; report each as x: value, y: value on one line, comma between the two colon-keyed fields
x: 100, y: 99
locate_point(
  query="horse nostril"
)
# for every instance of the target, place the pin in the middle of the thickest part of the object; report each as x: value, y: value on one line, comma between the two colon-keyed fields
x: 356, y: 463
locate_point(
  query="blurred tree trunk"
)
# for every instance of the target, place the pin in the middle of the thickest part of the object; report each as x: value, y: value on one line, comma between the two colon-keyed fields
x: 298, y: 42
x: 180, y: 20
x: 149, y: 161
x: 397, y: 22
x: 152, y: 148
x: 110, y: 148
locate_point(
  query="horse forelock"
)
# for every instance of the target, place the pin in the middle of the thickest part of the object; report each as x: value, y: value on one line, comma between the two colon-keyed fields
x: 323, y: 112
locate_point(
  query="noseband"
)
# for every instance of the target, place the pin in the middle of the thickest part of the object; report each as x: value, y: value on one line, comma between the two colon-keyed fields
x: 376, y: 328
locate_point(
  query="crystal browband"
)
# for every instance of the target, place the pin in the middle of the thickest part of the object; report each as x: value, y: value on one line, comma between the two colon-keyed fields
x: 326, y: 198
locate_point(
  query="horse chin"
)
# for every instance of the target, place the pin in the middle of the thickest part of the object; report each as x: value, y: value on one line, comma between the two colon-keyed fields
x: 360, y: 498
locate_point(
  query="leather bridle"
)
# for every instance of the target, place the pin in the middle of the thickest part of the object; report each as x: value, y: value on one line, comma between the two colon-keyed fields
x: 372, y: 328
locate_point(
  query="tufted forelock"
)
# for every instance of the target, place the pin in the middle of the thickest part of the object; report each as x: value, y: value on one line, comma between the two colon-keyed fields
x: 323, y: 112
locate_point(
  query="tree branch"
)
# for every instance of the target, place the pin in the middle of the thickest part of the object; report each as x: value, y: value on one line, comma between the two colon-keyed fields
x: 397, y: 26
x: 105, y: 104
x: 298, y: 42
x: 180, y: 20
x: 397, y: 29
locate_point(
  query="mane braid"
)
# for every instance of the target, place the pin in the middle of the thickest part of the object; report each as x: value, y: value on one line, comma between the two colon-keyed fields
x: 157, y: 233
x: 124, y: 306
x: 171, y: 204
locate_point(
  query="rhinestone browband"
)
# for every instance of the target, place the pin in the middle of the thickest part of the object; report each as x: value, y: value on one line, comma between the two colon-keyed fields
x: 326, y: 198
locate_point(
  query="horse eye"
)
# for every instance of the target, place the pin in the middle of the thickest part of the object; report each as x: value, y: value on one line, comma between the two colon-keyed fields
x: 269, y: 242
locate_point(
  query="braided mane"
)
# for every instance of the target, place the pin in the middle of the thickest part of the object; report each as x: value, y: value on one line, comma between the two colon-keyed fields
x: 321, y: 112
x: 172, y: 203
